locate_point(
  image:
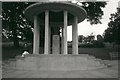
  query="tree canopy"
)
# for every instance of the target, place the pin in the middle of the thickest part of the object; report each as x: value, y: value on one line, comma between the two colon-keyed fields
x: 94, y: 11
x: 14, y: 20
x: 112, y: 33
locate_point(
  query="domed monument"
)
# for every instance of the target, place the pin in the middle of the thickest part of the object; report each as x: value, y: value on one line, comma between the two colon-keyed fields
x: 55, y: 15
x: 49, y: 17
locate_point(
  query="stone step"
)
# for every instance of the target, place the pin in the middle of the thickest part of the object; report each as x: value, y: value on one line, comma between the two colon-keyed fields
x: 55, y: 62
x: 94, y: 63
x: 84, y: 55
x: 58, y: 62
x: 97, y: 67
x: 91, y: 57
x: 11, y: 63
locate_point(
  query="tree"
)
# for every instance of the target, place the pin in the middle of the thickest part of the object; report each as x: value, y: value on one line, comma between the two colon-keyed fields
x: 13, y: 18
x: 99, y: 41
x: 94, y: 11
x: 99, y: 38
x: 112, y: 33
x: 89, y: 38
x: 80, y: 38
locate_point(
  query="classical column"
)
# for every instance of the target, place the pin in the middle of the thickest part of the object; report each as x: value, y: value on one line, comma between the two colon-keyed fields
x: 65, y: 33
x: 46, y: 48
x: 36, y: 36
x: 62, y: 43
x: 75, y: 36
x: 49, y: 37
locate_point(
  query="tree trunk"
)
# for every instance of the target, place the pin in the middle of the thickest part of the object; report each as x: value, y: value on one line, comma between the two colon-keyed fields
x: 15, y: 39
x: 14, y: 32
x: 14, y: 26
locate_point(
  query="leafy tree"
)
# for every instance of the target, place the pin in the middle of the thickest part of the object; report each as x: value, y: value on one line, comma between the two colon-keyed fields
x: 89, y: 39
x: 112, y: 33
x: 80, y: 38
x: 94, y: 11
x: 99, y: 41
x: 13, y: 18
x: 99, y: 38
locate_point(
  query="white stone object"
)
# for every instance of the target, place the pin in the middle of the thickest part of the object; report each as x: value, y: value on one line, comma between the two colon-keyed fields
x: 24, y: 53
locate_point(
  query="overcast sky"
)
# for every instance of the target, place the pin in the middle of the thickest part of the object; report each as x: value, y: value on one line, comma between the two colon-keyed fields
x: 84, y: 28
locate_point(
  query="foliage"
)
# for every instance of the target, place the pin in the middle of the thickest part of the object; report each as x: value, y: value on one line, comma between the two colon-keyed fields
x: 98, y: 44
x: 112, y: 33
x: 14, y: 20
x: 94, y: 11
x: 88, y: 39
x: 80, y: 38
x: 95, y: 44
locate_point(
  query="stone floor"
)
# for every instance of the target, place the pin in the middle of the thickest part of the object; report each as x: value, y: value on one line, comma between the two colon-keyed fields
x: 109, y: 72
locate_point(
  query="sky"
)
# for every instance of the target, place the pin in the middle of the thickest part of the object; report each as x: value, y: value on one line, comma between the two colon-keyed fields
x: 84, y: 28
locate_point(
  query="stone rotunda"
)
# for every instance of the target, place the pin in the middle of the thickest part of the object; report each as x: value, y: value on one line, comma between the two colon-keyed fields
x: 53, y: 17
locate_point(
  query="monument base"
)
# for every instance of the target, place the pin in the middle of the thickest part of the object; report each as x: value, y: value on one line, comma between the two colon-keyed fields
x: 57, y: 62
x: 56, y: 44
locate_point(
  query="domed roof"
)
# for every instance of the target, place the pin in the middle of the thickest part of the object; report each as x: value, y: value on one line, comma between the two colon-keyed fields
x: 56, y: 12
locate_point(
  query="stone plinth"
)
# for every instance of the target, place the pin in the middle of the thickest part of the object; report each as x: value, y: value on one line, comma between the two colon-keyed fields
x: 56, y: 44
x: 57, y: 62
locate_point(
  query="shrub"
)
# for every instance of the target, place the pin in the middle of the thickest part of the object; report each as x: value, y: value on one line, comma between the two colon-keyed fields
x: 95, y: 44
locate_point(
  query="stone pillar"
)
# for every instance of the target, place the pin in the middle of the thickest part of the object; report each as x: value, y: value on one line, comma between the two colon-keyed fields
x: 56, y: 44
x: 36, y: 36
x: 49, y: 43
x: 46, y: 47
x: 62, y: 43
x: 65, y: 33
x: 75, y: 36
